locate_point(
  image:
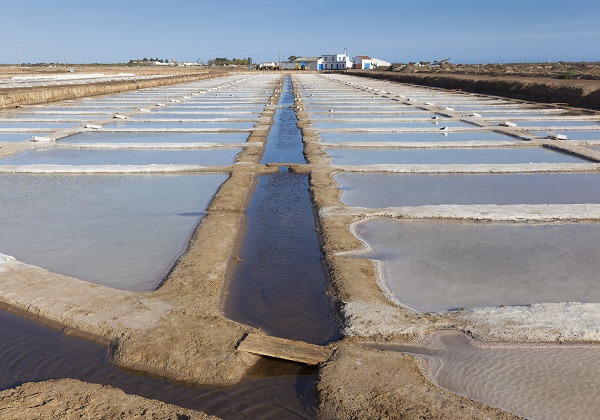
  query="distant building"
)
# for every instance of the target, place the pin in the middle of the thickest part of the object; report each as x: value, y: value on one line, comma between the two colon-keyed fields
x: 337, y: 61
x: 367, y: 63
x: 308, y: 63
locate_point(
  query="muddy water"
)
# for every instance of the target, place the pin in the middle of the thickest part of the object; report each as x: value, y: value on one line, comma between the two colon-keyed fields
x: 280, y: 284
x: 284, y: 144
x: 30, y: 352
x: 557, y: 382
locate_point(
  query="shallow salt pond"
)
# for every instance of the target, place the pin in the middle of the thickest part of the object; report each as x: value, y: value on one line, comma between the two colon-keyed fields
x: 380, y: 190
x: 216, y: 125
x: 150, y: 137
x: 14, y: 137
x: 122, y: 231
x: 34, y: 124
x: 322, y: 124
x: 414, y: 137
x: 121, y: 157
x: 574, y: 135
x: 436, y: 266
x: 364, y: 156
x: 557, y: 123
x: 559, y: 382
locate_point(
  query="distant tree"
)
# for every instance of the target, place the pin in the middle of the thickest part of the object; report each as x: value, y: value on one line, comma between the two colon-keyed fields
x: 144, y: 59
x: 292, y: 58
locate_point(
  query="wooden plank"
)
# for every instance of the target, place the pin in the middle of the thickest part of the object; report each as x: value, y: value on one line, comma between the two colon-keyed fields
x: 281, y: 348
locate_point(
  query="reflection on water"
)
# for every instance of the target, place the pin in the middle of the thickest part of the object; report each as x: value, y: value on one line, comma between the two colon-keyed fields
x: 534, y: 382
x: 280, y: 284
x: 284, y: 143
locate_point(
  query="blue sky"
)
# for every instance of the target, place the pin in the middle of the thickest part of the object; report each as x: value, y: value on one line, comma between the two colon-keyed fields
x: 466, y: 31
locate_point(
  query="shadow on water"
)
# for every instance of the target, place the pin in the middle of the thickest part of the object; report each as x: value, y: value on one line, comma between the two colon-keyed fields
x: 273, y: 390
x: 280, y: 284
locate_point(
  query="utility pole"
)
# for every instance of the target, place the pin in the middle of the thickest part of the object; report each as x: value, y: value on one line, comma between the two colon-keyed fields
x: 17, y: 54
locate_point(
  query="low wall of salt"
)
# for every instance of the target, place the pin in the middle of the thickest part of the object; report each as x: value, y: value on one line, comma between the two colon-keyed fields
x: 39, y: 95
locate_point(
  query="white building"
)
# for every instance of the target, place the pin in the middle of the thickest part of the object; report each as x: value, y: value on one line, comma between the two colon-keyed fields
x: 337, y: 61
x: 368, y: 63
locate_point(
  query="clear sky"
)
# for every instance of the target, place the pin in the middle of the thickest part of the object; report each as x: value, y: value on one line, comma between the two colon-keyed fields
x: 466, y: 31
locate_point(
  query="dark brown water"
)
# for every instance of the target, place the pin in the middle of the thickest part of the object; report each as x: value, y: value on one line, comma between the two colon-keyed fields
x: 30, y: 352
x: 280, y: 284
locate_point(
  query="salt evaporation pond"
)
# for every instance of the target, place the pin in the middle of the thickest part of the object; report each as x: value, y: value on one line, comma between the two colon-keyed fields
x: 15, y: 137
x: 380, y: 190
x: 558, y: 382
x: 121, y: 157
x: 33, y: 124
x: 122, y: 231
x: 216, y: 125
x: 150, y: 137
x: 558, y: 123
x: 322, y: 124
x: 337, y: 138
x: 581, y: 135
x: 347, y: 116
x: 436, y: 266
x: 364, y: 156
x: 196, y: 116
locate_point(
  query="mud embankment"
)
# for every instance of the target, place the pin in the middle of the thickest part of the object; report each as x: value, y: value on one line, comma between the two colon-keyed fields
x: 10, y: 98
x: 577, y: 93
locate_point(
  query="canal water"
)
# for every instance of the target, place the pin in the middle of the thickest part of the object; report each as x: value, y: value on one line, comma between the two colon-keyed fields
x: 284, y: 143
x: 31, y: 352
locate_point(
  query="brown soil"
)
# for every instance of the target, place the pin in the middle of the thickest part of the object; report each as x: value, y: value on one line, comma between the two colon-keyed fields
x: 572, y: 92
x: 73, y: 399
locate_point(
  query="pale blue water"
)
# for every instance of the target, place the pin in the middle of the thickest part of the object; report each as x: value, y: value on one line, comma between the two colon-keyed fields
x: 558, y: 123
x: 122, y: 231
x: 149, y: 137
x: 13, y: 137
x: 121, y: 157
x: 321, y: 124
x: 339, y: 138
x: 365, y: 156
x: 33, y: 125
x: 181, y: 125
x: 377, y: 190
x: 574, y: 135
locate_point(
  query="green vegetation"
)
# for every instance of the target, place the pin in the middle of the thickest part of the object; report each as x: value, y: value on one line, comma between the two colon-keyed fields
x: 224, y: 61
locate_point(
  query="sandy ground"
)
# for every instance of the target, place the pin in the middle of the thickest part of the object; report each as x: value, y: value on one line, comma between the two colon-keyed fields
x: 72, y: 399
